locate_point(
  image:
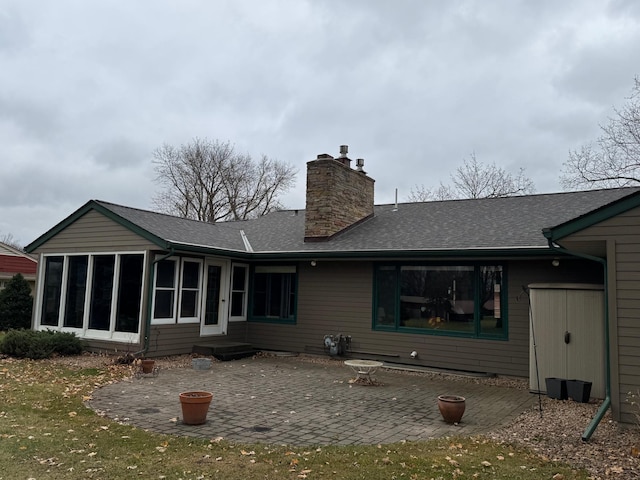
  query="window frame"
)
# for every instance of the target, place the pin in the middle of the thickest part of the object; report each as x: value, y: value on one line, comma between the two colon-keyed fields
x: 174, y: 307
x: 476, y: 332
x: 245, y: 292
x: 274, y: 269
x: 182, y: 289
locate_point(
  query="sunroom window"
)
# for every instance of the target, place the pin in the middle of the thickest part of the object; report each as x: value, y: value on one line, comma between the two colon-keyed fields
x: 93, y: 295
x: 458, y: 300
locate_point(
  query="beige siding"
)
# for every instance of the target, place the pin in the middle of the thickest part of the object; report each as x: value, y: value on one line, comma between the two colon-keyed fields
x: 622, y: 233
x: 336, y: 297
x: 93, y: 232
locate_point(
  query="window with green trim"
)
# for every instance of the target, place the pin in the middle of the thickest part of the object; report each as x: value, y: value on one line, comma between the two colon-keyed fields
x: 457, y: 300
x: 274, y: 293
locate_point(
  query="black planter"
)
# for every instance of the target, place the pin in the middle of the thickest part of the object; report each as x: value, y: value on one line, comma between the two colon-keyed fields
x: 556, y: 388
x: 579, y: 390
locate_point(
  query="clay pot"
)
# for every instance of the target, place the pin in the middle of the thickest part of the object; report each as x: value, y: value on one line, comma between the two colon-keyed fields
x: 195, y: 406
x: 147, y: 366
x: 451, y: 407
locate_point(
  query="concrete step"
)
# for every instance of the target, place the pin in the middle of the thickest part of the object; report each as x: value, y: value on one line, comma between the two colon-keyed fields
x: 224, y: 350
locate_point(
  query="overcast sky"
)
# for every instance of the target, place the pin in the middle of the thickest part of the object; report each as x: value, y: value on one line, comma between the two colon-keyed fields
x: 88, y: 90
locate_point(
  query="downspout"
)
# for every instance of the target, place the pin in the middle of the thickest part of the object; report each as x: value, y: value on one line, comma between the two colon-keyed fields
x: 150, y: 289
x: 606, y: 404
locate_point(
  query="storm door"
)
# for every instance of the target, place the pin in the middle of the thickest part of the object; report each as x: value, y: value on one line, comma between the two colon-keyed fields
x: 216, y: 284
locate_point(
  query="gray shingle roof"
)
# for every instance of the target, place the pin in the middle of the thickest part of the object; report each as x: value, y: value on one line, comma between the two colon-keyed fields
x: 496, y: 223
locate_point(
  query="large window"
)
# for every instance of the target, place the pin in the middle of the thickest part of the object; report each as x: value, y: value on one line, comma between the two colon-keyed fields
x: 274, y: 294
x: 93, y: 295
x: 463, y: 300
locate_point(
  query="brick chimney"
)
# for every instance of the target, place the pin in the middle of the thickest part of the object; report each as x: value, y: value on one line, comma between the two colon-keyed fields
x: 338, y: 197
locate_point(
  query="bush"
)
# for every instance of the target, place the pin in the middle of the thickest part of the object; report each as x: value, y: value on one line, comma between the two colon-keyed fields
x: 16, y: 304
x: 38, y: 345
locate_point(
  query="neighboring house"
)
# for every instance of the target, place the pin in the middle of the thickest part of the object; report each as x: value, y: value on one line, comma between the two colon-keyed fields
x: 448, y: 280
x: 12, y: 262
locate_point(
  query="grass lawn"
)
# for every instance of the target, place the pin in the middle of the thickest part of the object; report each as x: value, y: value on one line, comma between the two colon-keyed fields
x: 46, y: 432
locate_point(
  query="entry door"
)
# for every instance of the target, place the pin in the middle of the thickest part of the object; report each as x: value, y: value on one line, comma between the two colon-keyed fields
x: 216, y: 283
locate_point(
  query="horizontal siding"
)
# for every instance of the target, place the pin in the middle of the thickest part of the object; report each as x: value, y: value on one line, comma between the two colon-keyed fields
x: 93, y: 232
x: 624, y: 231
x: 336, y: 297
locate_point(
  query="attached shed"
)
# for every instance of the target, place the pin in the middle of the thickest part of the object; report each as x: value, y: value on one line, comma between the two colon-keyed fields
x: 567, y: 335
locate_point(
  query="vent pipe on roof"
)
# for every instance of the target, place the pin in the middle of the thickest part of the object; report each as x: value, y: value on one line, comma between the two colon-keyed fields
x: 395, y: 207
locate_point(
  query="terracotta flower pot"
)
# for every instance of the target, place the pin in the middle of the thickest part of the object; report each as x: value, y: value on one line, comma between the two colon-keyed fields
x: 147, y: 366
x: 195, y: 406
x: 451, y: 407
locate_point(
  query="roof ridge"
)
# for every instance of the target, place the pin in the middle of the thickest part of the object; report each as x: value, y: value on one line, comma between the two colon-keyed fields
x: 531, y: 195
x: 106, y: 204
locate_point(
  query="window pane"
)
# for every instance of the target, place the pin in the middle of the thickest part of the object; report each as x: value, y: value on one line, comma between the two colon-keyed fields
x: 76, y: 290
x: 129, y: 293
x: 437, y: 297
x: 490, y: 301
x: 101, y: 292
x: 163, y: 307
x: 190, y: 275
x: 386, y: 291
x: 188, y: 304
x: 165, y: 274
x: 239, y: 277
x: 237, y: 304
x: 260, y: 294
x: 52, y: 291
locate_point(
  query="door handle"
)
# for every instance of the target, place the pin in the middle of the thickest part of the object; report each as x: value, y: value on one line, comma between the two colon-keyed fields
x: 567, y: 337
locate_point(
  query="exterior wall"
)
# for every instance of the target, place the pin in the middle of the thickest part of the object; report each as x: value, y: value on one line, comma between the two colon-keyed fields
x: 94, y: 232
x: 621, y: 235
x: 337, y: 197
x: 179, y: 339
x: 336, y: 297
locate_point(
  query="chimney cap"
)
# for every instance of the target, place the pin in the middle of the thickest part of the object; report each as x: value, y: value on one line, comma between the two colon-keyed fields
x: 344, y: 149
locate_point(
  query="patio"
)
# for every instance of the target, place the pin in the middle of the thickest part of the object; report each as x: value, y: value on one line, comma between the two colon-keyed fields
x: 287, y: 400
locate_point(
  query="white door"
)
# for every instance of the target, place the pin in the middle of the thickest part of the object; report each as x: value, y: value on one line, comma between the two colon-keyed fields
x: 215, y: 310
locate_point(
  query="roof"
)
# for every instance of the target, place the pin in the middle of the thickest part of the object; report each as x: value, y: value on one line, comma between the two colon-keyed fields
x: 474, y: 226
x: 14, y: 261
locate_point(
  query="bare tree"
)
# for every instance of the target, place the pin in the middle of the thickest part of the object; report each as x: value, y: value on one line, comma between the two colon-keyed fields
x: 209, y: 181
x: 9, y: 239
x: 614, y: 159
x: 476, y: 180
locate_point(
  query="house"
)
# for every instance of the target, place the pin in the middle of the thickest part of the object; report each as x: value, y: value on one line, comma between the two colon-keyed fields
x: 441, y: 284
x: 14, y: 261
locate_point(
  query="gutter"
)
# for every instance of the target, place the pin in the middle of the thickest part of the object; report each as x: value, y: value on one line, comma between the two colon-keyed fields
x: 606, y: 404
x: 150, y: 290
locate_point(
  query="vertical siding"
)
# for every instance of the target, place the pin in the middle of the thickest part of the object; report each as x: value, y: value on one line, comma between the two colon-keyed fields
x: 622, y: 236
x: 336, y: 297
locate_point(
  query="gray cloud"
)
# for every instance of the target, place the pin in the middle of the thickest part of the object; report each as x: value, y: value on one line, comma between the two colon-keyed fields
x: 413, y: 87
